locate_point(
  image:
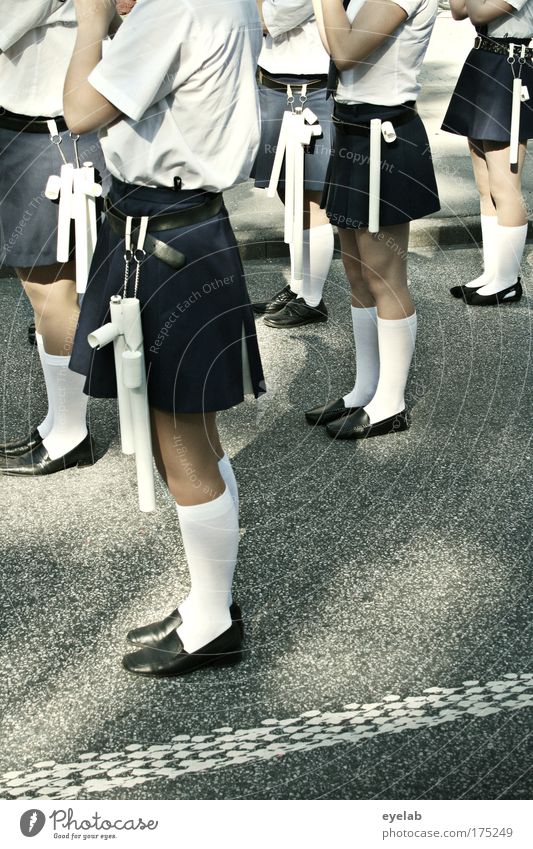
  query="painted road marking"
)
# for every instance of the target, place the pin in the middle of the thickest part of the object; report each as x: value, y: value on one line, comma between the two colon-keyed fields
x: 223, y: 747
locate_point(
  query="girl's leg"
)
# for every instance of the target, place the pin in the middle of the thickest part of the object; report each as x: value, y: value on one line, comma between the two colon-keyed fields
x: 188, y: 454
x: 52, y: 293
x: 364, y: 323
x: 511, y: 231
x: 488, y: 213
x: 383, y: 262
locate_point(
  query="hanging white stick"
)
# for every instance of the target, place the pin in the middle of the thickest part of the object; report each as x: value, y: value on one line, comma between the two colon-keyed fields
x: 125, y: 331
x: 280, y: 155
x: 290, y: 154
x: 374, y: 191
x: 65, y: 213
x: 297, y: 130
x: 86, y: 190
x: 298, y: 195
x: 134, y: 379
x: 80, y: 216
x: 515, y: 121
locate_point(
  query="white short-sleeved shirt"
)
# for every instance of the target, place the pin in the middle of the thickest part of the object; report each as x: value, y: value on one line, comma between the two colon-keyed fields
x: 293, y: 44
x: 182, y: 72
x: 36, y: 42
x: 389, y: 75
x: 517, y: 24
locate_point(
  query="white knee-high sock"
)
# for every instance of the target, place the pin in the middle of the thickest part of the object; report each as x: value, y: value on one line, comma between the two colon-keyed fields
x: 210, y: 535
x: 396, y: 347
x: 228, y: 476
x: 489, y: 226
x: 294, y: 287
x: 510, y: 243
x: 318, y: 253
x: 46, y: 425
x: 69, y: 407
x: 365, y: 333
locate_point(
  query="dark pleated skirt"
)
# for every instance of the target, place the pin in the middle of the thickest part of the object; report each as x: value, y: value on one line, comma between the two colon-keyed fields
x: 480, y: 107
x: 198, y: 326
x: 28, y: 220
x: 273, y: 105
x: 408, y: 186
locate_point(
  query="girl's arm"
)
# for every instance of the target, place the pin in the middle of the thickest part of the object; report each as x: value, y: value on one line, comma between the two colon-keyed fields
x: 483, y: 11
x: 317, y: 6
x: 260, y: 10
x: 458, y: 10
x: 85, y: 109
x: 350, y: 43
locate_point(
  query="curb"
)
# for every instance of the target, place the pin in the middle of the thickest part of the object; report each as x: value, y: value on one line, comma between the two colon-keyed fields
x: 431, y: 233
x: 268, y: 243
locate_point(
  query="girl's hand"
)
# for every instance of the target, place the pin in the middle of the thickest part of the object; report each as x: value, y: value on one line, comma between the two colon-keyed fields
x: 125, y: 6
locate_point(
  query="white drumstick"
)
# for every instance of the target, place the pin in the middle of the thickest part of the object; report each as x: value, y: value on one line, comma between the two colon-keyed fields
x: 65, y: 213
x: 290, y: 153
x: 374, y: 190
x: 280, y: 154
x: 515, y: 121
x: 298, y: 209
x: 81, y: 231
x: 134, y: 377
x: 125, y: 331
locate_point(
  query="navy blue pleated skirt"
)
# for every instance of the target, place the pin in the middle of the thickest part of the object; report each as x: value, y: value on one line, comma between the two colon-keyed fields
x: 28, y: 220
x: 273, y: 105
x: 199, y: 333
x: 408, y: 186
x: 480, y: 107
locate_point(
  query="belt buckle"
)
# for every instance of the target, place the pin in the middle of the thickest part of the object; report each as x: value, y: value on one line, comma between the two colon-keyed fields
x: 477, y: 42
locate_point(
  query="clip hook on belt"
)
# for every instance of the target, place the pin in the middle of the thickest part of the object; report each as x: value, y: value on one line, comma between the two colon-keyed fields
x: 138, y: 254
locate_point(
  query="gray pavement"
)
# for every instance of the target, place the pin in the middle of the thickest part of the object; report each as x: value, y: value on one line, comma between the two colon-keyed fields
x: 385, y: 584
x: 258, y: 221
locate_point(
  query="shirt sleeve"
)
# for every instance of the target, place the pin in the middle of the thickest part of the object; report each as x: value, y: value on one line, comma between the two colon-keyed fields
x: 409, y: 6
x: 282, y: 16
x: 20, y: 18
x: 148, y: 57
x: 516, y: 4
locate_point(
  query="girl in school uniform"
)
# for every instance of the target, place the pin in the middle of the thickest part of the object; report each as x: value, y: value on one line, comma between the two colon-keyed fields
x: 377, y: 48
x: 293, y: 69
x: 179, y: 123
x: 480, y: 109
x: 36, y: 41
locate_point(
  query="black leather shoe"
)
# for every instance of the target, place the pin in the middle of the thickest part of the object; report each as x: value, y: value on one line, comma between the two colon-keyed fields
x: 296, y: 313
x: 506, y: 296
x: 168, y: 657
x: 21, y: 446
x: 358, y: 426
x: 464, y: 292
x: 38, y: 461
x: 148, y: 635
x: 329, y: 412
x: 280, y: 299
x: 31, y: 333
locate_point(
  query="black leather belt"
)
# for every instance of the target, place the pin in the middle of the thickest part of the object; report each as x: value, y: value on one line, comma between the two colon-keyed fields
x: 157, y: 223
x: 270, y: 82
x: 27, y: 124
x: 403, y: 117
x: 502, y: 49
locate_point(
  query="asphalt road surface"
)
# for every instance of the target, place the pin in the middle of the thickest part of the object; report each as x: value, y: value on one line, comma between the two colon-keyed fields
x: 385, y: 584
